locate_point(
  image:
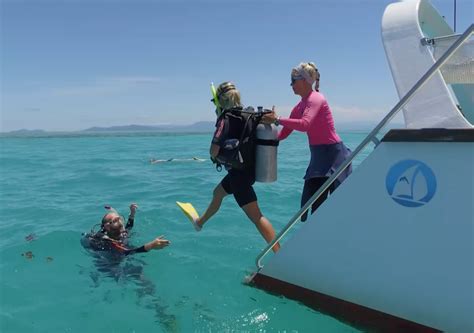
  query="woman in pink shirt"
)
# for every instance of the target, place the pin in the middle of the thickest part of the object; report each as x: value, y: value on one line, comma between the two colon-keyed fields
x: 313, y: 116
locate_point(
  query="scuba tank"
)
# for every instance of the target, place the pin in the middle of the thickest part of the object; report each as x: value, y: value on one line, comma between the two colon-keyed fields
x: 257, y: 146
x: 266, y: 153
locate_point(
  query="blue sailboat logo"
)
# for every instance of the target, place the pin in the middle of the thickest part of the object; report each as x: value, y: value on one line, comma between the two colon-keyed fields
x: 411, y: 183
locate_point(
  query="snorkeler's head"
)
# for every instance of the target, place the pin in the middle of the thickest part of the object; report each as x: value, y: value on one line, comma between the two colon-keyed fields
x: 109, y: 219
x: 115, y: 229
x: 228, y: 95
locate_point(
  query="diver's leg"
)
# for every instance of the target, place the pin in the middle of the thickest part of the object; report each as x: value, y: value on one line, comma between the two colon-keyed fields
x: 261, y: 222
x: 217, y: 197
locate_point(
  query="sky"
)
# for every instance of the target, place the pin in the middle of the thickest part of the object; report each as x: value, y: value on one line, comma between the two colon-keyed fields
x: 69, y: 65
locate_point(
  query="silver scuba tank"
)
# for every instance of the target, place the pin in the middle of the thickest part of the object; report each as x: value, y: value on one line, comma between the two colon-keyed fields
x: 266, y: 153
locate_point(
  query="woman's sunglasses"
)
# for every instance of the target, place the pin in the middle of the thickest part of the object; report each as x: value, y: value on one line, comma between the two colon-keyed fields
x: 295, y: 78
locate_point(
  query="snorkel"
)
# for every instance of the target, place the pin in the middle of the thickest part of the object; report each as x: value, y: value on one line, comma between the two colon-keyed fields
x: 215, y: 100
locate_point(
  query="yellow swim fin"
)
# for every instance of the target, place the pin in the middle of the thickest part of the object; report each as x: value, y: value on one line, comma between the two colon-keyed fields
x: 190, y: 212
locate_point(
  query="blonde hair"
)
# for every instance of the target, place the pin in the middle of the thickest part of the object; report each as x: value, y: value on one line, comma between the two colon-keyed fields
x: 309, y: 71
x: 228, y: 95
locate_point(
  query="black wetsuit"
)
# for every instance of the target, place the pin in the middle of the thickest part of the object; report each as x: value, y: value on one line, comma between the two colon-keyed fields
x: 112, y: 261
x: 99, y: 241
x: 237, y: 181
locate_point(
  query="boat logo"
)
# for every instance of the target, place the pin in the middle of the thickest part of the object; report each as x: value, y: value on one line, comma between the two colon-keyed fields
x: 411, y: 183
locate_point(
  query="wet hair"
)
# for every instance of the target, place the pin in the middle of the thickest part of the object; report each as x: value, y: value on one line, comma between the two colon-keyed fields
x: 228, y: 95
x: 309, y: 72
x: 105, y: 219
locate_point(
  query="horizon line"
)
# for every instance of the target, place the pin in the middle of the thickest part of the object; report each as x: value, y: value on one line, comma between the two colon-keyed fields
x: 343, y: 126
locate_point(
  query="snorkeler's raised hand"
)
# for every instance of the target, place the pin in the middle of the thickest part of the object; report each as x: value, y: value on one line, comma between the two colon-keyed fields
x: 133, y: 209
x: 157, y: 243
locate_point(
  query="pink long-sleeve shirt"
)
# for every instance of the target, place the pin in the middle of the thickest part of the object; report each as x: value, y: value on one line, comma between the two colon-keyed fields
x: 313, y: 116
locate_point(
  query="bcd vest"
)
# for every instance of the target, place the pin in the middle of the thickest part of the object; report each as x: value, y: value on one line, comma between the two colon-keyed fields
x: 237, y: 151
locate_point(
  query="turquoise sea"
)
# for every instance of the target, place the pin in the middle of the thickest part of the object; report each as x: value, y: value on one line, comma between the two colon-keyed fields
x: 54, y: 188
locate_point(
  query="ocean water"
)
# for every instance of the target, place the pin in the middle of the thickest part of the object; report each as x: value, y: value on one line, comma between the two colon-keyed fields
x: 53, y: 188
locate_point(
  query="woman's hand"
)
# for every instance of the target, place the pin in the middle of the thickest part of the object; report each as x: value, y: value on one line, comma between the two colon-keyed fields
x: 270, y: 118
x: 157, y: 243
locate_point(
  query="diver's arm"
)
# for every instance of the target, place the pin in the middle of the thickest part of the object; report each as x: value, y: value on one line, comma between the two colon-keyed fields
x: 131, y: 217
x: 119, y: 247
x: 217, y: 138
x: 157, y: 243
x: 214, y: 150
x: 140, y: 249
x: 130, y: 222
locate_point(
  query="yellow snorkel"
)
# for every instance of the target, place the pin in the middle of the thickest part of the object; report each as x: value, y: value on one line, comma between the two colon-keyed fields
x: 215, y: 100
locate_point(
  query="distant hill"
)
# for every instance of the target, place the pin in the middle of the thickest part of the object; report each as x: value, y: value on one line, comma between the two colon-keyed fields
x: 202, y: 126
x: 199, y: 127
x: 27, y: 132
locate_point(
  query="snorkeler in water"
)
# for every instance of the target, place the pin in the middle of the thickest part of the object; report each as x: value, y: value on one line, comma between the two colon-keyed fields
x: 195, y: 159
x: 113, y: 235
x: 110, y: 249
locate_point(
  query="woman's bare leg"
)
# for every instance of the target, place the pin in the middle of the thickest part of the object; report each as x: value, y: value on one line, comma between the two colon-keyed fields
x: 261, y: 222
x: 217, y: 197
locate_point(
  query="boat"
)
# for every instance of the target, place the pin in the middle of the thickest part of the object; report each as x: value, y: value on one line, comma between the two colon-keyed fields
x: 399, y: 257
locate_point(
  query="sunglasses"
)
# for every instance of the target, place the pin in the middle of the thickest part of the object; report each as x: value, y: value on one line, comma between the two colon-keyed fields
x: 114, y: 220
x: 294, y: 79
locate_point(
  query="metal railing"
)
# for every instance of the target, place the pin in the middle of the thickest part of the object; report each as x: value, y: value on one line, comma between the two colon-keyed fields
x: 370, y: 138
x: 432, y: 41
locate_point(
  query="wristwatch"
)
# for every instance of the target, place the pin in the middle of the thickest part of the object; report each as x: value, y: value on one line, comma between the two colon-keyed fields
x: 277, y: 121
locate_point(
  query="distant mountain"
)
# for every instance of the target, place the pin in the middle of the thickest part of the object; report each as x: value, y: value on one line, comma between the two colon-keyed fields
x: 124, y: 128
x: 27, y: 132
x: 199, y: 127
x: 202, y: 126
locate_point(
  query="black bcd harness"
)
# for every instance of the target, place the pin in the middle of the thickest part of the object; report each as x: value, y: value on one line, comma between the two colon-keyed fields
x: 238, y: 152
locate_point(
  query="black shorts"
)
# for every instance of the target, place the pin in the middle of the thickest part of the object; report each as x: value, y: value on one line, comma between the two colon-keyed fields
x: 239, y: 183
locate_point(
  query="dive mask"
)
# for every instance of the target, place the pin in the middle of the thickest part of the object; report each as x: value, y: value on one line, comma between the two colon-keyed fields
x: 109, y: 210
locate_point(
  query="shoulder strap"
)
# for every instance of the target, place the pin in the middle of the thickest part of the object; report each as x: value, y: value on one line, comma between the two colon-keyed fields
x: 244, y: 129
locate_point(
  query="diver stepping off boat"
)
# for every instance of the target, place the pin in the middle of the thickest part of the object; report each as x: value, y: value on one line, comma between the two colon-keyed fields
x: 233, y: 146
x: 246, y: 143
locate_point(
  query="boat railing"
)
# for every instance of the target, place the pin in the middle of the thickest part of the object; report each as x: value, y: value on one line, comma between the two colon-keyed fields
x: 371, y: 137
x: 432, y: 41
